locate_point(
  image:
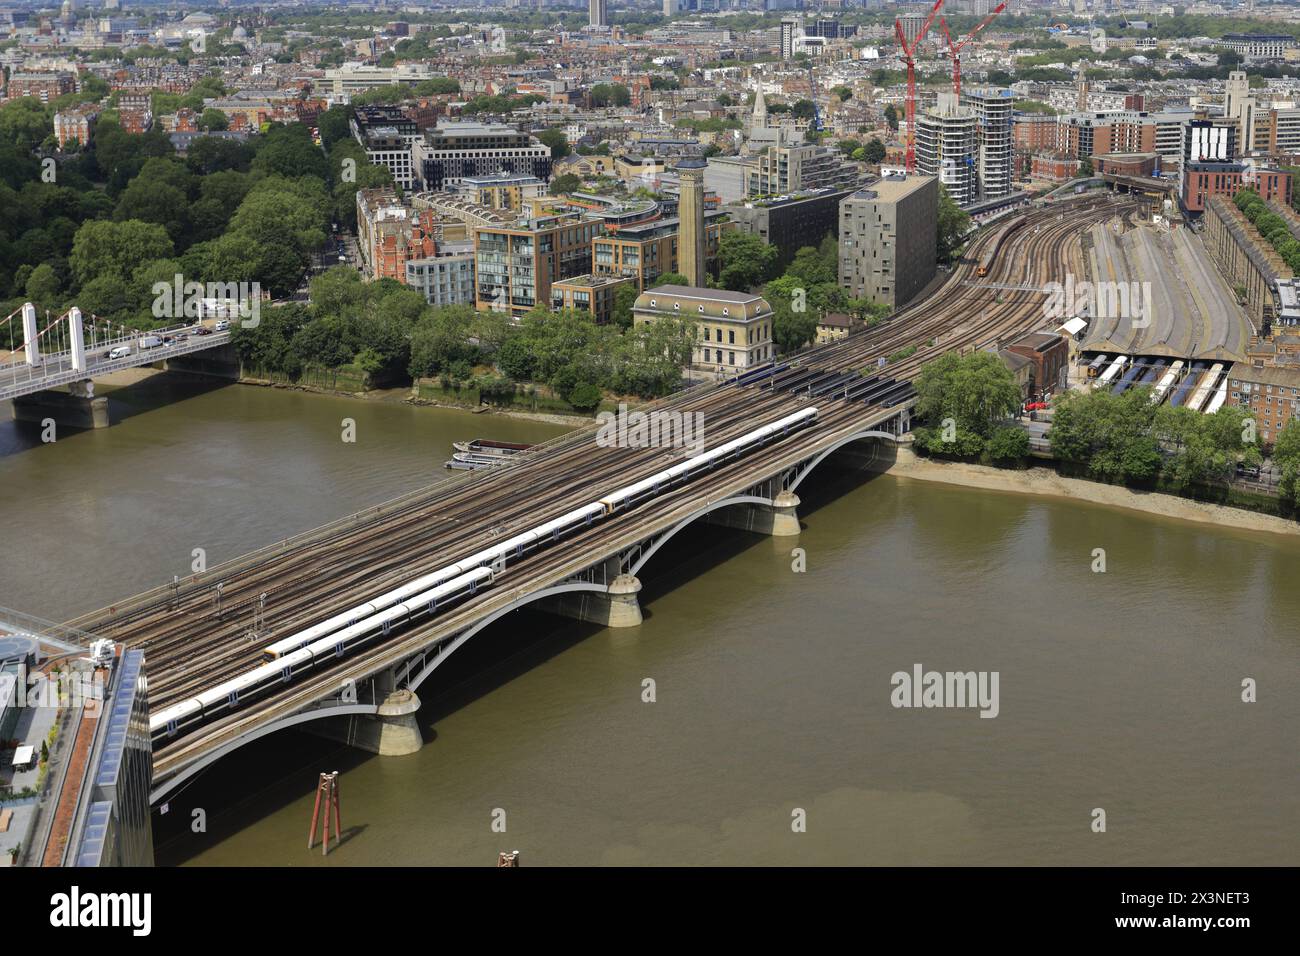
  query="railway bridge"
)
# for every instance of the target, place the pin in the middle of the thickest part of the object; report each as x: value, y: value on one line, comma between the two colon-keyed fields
x: 212, y: 630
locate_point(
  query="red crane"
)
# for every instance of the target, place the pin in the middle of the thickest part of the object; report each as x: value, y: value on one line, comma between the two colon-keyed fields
x: 910, y: 103
x: 954, y: 49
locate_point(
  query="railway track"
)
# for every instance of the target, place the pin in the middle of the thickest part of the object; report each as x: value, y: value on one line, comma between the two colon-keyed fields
x: 191, y: 645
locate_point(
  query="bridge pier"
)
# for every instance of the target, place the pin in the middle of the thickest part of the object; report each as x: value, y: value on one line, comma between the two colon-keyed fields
x: 617, y: 607
x: 779, y: 519
x: 392, y: 732
x: 76, y: 408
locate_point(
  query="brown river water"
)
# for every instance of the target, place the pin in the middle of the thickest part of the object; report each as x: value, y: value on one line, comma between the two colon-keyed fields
x: 771, y: 738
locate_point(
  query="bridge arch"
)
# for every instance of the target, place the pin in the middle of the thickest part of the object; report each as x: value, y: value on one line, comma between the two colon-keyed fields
x: 806, y: 470
x: 284, y: 723
x: 455, y: 643
x: 671, y: 533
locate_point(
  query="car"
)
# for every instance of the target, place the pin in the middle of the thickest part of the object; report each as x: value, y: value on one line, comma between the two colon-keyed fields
x: 203, y: 330
x: 222, y: 325
x: 1036, y: 406
x: 122, y: 351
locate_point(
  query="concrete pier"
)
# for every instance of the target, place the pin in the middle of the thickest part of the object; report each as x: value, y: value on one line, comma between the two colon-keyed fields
x: 76, y: 409
x: 618, y: 607
x: 393, y: 732
x: 780, y: 519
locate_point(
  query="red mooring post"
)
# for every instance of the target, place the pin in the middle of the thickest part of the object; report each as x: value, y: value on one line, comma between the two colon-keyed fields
x: 328, y: 788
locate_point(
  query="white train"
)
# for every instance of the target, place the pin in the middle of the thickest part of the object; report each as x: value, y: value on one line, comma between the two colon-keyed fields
x: 1166, y: 381
x: 1206, y: 387
x: 433, y: 592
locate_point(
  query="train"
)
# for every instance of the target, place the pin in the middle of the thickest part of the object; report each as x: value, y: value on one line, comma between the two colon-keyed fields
x: 1206, y: 387
x: 432, y: 593
x: 1166, y: 381
x: 990, y: 256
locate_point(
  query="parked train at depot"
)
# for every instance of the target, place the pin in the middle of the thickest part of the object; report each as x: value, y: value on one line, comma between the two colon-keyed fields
x: 433, y: 593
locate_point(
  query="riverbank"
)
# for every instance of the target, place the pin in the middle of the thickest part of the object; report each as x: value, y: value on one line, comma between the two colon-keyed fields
x: 1045, y: 482
x: 396, y: 396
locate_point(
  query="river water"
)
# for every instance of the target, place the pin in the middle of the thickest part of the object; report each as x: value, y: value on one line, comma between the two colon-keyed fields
x: 771, y: 737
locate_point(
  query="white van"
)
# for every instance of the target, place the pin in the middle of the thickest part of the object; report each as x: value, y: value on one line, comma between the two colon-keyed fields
x: 222, y: 325
x: 122, y: 351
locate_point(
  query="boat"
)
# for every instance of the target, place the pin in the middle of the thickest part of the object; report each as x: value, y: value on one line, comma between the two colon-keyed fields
x: 464, y: 461
x: 486, y: 446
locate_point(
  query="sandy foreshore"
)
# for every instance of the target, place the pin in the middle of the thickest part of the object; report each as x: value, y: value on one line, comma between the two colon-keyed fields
x: 1047, y: 483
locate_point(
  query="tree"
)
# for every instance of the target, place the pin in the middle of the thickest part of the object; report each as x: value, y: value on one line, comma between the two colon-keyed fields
x: 563, y: 185
x: 214, y: 119
x: 874, y: 151
x: 558, y: 142
x: 977, y: 391
x: 891, y: 117
x: 953, y: 224
x: 745, y: 261
x: 1286, y: 456
x: 669, y: 278
x: 610, y: 94
x: 1111, y: 434
x: 333, y: 126
x: 114, y: 249
x: 43, y: 286
x: 624, y: 298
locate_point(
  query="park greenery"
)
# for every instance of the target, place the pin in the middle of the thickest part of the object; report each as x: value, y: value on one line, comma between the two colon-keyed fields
x: 99, y: 227
x: 967, y: 404
x: 801, y: 295
x: 1124, y: 438
x: 387, y: 331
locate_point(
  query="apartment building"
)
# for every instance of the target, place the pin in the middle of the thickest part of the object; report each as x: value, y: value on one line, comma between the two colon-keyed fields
x: 588, y: 293
x: 505, y: 191
x: 391, y: 233
x: 446, y: 278
x: 645, y: 251
x: 888, y: 239
x: 993, y: 117
x: 788, y: 223
x: 388, y: 136
x: 791, y: 169
x: 44, y: 86
x: 75, y: 125
x: 1272, y: 393
x: 946, y: 148
x: 516, y: 263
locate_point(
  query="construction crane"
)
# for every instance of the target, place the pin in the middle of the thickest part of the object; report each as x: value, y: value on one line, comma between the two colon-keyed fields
x: 954, y: 49
x: 909, y: 106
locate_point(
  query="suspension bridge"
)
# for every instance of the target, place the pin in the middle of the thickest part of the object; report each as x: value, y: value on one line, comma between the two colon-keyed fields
x: 71, y: 349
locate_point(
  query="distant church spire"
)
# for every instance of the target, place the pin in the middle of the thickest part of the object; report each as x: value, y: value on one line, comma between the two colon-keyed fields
x: 760, y: 111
